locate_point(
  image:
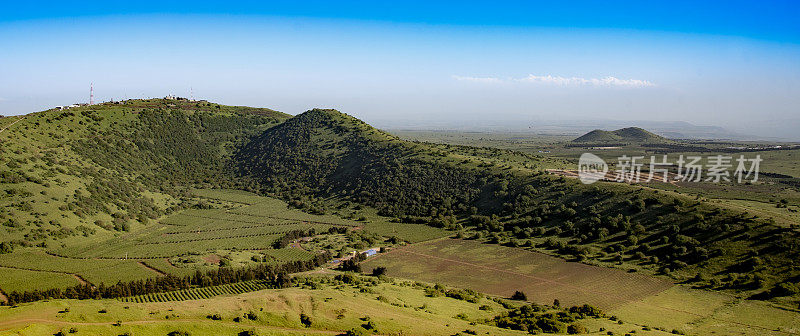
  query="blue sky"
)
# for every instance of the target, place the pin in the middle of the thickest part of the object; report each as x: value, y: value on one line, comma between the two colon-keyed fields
x: 722, y: 63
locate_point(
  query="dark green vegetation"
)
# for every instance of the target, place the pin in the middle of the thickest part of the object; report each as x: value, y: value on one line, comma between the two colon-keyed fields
x: 111, y: 173
x: 535, y: 319
x: 623, y: 135
x: 266, y: 275
x: 324, y: 153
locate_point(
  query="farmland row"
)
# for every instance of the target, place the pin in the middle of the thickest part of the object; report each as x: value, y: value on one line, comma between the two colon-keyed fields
x: 207, y: 239
x: 200, y: 293
x: 233, y: 196
x: 18, y: 280
x: 231, y: 228
x: 301, y: 218
x: 298, y: 216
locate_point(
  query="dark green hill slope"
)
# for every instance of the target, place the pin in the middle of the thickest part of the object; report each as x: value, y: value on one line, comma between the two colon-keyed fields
x: 623, y: 135
x: 327, y: 154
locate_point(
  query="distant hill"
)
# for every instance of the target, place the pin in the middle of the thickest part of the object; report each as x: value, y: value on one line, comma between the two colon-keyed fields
x: 622, y: 135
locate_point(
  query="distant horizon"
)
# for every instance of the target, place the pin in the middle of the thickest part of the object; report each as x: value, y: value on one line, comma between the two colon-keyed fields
x: 564, y: 127
x: 729, y: 64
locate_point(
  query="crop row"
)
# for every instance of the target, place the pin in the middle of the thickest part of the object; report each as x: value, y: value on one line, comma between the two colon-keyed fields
x: 262, y: 225
x: 235, y: 196
x: 301, y: 217
x: 200, y: 293
x: 208, y: 239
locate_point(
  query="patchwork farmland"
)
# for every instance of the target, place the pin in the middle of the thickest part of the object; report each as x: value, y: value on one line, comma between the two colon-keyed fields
x: 252, y: 225
x: 247, y: 222
x: 499, y: 270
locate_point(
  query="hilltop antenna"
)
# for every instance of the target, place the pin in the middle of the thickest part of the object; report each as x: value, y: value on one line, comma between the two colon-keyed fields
x: 91, y: 93
x: 191, y: 93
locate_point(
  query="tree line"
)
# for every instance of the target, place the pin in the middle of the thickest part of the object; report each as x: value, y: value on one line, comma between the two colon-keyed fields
x: 276, y: 275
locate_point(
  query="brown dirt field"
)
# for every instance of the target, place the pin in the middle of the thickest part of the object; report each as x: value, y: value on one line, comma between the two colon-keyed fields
x: 498, y: 270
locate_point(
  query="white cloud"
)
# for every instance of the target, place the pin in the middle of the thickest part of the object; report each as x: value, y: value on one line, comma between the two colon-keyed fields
x: 579, y: 81
x: 478, y: 79
x: 609, y: 81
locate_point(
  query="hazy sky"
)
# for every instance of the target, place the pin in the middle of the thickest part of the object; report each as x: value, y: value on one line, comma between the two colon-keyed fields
x: 726, y: 63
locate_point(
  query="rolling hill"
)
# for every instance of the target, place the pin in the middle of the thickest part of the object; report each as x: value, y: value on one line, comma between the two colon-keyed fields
x: 626, y: 135
x: 96, y: 173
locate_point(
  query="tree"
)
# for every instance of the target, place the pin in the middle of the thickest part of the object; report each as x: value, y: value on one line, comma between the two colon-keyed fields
x: 378, y: 271
x: 519, y: 295
x: 6, y: 247
x: 305, y: 320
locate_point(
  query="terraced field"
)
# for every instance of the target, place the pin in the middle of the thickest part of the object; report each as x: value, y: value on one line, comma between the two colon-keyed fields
x: 254, y: 225
x: 18, y: 280
x: 249, y: 222
x: 200, y: 293
x: 501, y: 270
x: 39, y: 266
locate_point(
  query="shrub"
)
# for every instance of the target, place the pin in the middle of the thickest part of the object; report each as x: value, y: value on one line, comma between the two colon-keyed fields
x: 519, y: 295
x: 378, y: 271
x: 576, y: 328
x: 178, y: 333
x: 305, y: 320
x: 356, y: 332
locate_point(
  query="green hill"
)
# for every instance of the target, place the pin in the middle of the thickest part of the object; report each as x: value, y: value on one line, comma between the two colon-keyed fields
x: 101, y: 169
x: 623, y: 135
x: 92, y: 173
x: 325, y: 154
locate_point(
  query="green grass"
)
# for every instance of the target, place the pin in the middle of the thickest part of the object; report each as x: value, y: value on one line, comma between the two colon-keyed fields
x: 92, y: 270
x: 412, y: 233
x: 701, y: 312
x: 784, y: 217
x: 237, y: 196
x: 197, y: 231
x: 396, y: 307
x: 17, y: 280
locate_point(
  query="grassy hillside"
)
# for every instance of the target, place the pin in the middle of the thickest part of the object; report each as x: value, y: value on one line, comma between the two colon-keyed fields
x: 324, y: 154
x: 108, y: 168
x: 92, y: 174
x: 623, y: 135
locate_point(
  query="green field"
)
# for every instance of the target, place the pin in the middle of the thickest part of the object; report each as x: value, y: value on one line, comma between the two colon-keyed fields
x: 93, y: 271
x: 18, y: 280
x: 197, y: 231
x: 700, y: 312
x: 241, y: 230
